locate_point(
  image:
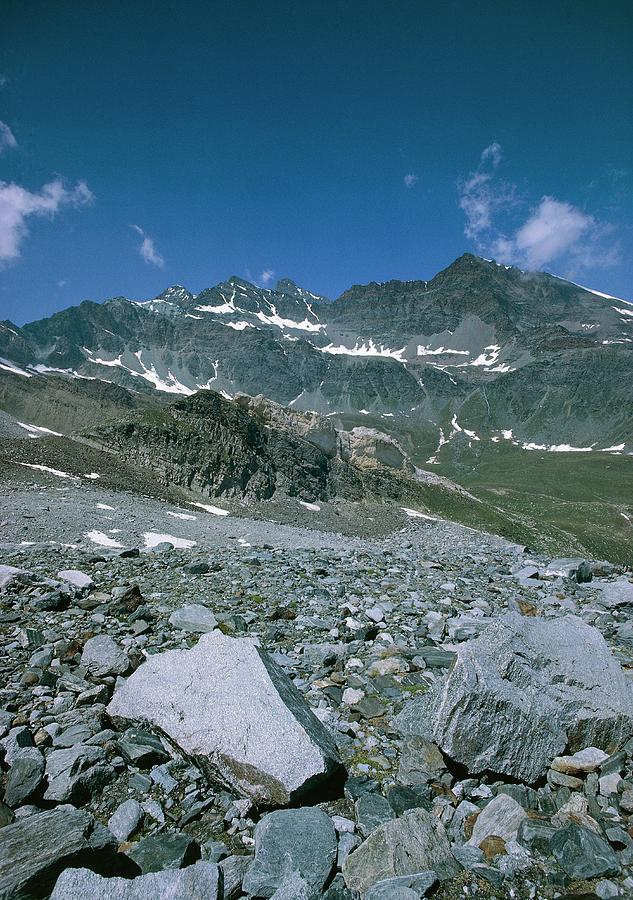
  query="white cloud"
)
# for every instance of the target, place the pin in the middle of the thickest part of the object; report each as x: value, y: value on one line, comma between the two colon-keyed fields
x: 4, y: 80
x: 554, y: 231
x: 480, y: 196
x: 17, y: 204
x: 266, y: 277
x: 147, y: 249
x: 7, y: 138
x: 410, y: 180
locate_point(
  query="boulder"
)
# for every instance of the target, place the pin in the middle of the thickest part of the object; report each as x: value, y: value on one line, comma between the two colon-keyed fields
x: 414, y: 843
x: 26, y: 777
x: 36, y: 849
x: 227, y: 706
x: 125, y: 819
x: 194, y: 617
x: 617, y: 594
x: 406, y: 887
x: 500, y: 818
x: 164, y: 851
x: 290, y: 841
x: 523, y: 690
x: 583, y: 853
x: 76, y: 579
x: 199, y: 882
x: 76, y: 772
x: 103, y: 656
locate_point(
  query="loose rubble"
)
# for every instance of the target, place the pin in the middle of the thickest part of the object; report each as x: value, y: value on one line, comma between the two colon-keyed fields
x: 437, y: 712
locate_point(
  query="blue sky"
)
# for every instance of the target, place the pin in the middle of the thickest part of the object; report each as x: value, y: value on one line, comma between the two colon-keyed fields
x: 331, y: 142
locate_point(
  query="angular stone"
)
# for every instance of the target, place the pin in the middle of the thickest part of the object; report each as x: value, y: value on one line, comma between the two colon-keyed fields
x: 416, y: 842
x: 232, y: 710
x: 403, y: 888
x: 420, y: 761
x: 293, y: 887
x: 199, y: 882
x: 164, y: 851
x: 520, y: 692
x: 103, y: 656
x: 141, y: 748
x: 37, y: 848
x: 372, y: 811
x: 535, y: 834
x: 583, y: 854
x: 500, y: 818
x: 233, y: 870
x: 76, y: 579
x: 195, y: 618
x: 587, y: 760
x: 125, y: 819
x: 25, y: 778
x: 75, y: 773
x: 287, y: 841
x: 617, y: 594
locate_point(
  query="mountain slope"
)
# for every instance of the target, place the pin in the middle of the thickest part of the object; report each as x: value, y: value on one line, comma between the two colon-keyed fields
x: 478, y: 351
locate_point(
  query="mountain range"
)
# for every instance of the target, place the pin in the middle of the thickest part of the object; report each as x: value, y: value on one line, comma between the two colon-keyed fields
x: 480, y: 372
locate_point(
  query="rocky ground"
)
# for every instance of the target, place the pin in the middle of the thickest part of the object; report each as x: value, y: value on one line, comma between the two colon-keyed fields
x: 278, y: 710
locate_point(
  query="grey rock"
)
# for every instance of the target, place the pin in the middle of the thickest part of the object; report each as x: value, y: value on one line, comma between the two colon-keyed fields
x: 535, y: 834
x: 141, y: 748
x: 16, y: 740
x: 372, y: 810
x: 228, y: 707
x: 416, y: 842
x: 346, y: 844
x: 406, y: 887
x: 25, y: 778
x: 501, y: 818
x: 294, y: 887
x: 74, y: 774
x: 583, y: 853
x: 233, y: 870
x: 37, y: 848
x: 103, y: 656
x: 523, y: 690
x: 338, y: 890
x: 199, y: 882
x: 193, y: 617
x: 287, y: 841
x: 76, y: 579
x: 164, y: 851
x: 617, y: 594
x: 125, y: 819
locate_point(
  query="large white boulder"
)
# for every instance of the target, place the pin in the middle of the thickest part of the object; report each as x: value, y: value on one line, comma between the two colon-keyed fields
x: 231, y: 709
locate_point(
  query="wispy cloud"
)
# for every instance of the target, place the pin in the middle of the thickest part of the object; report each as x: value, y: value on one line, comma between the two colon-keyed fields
x: 266, y: 277
x: 410, y: 180
x: 147, y: 249
x: 7, y: 138
x: 4, y: 79
x: 481, y: 196
x: 17, y: 204
x: 553, y: 231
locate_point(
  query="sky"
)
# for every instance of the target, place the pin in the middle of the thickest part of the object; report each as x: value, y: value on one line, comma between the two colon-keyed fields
x: 334, y: 143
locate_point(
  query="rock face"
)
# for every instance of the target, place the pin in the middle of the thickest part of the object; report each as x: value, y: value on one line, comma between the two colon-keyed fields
x: 416, y: 842
x: 229, y: 707
x: 199, y: 882
x: 523, y: 690
x: 37, y: 848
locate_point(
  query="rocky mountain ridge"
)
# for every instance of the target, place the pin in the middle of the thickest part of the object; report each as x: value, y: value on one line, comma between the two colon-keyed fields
x: 480, y: 352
